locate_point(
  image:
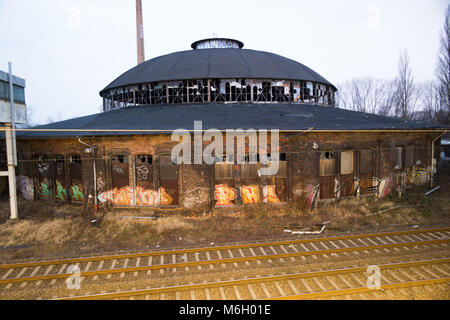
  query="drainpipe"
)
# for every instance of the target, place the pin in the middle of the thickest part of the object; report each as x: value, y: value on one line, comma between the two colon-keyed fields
x: 432, y: 155
x: 89, y: 150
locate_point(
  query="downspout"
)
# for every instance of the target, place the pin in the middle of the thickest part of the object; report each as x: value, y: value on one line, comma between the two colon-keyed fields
x: 92, y: 149
x: 432, y: 155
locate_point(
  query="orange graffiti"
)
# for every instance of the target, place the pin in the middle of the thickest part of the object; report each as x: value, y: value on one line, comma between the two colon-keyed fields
x: 166, y: 199
x: 125, y: 195
x: 146, y: 197
x: 270, y: 195
x: 250, y: 194
x: 224, y: 195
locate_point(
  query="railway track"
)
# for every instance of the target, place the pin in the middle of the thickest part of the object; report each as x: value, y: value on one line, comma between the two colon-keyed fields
x: 309, y: 285
x: 13, y: 276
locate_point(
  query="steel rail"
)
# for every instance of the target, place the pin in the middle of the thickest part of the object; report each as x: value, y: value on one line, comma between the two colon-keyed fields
x: 220, y: 261
x: 332, y: 293
x: 227, y: 247
x: 228, y: 283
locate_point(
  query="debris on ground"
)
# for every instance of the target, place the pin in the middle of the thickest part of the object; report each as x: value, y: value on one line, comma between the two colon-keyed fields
x: 382, y: 211
x: 136, y: 217
x: 433, y: 190
x: 308, y: 230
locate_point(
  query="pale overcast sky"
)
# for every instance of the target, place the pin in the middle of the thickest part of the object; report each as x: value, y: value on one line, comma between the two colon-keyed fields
x: 68, y: 50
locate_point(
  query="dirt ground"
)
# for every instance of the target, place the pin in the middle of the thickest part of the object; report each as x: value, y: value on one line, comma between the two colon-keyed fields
x: 53, y: 231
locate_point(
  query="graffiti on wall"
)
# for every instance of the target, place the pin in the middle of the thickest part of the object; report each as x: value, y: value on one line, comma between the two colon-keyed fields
x: 144, y: 197
x: 354, y: 181
x: 61, y: 192
x: 224, y: 195
x: 312, y: 195
x: 250, y: 194
x: 270, y: 195
x: 119, y: 170
x: 26, y: 188
x: 43, y: 168
x: 142, y: 172
x: 416, y: 176
x: 382, y: 186
x: 76, y: 193
x: 44, y: 190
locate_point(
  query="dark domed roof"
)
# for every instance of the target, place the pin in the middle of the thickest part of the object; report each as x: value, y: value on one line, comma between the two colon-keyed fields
x: 228, y: 63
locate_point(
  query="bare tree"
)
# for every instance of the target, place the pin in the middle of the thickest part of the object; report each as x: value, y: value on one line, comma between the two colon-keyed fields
x: 388, y: 103
x: 443, y: 66
x: 429, y: 101
x: 406, y: 97
x: 364, y: 94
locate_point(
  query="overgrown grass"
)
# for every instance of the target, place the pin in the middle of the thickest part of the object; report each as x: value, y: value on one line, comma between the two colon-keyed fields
x: 48, y: 229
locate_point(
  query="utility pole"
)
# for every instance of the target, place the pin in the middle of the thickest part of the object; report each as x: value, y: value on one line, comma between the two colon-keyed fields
x: 140, y: 33
x: 11, y: 149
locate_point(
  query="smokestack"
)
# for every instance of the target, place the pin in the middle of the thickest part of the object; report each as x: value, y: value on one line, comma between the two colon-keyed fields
x: 140, y: 33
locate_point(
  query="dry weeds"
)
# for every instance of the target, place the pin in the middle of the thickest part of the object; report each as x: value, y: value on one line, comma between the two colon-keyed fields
x: 54, y: 230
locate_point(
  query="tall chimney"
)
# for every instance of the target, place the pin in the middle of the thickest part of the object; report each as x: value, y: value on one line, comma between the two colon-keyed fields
x: 140, y: 33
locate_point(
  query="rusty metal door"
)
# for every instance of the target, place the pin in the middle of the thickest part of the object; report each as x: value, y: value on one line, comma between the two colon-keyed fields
x: 143, y: 172
x: 59, y: 172
x: 120, y: 177
x: 76, y: 179
x: 44, y: 177
x: 168, y: 181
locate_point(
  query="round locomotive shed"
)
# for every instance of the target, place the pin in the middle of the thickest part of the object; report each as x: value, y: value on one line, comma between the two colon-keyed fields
x: 121, y: 156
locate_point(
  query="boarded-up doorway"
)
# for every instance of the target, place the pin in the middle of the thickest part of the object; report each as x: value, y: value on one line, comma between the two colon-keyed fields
x: 44, y: 177
x: 122, y: 193
x: 168, y: 181
x: 366, y: 173
x: 76, y: 179
x: 146, y: 195
x: 347, y: 173
x: 60, y: 178
x: 327, y: 174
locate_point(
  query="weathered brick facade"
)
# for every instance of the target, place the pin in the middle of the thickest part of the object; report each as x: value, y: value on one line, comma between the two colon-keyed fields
x: 192, y: 187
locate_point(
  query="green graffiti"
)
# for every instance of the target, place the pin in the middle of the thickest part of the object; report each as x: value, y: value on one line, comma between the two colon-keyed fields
x: 44, y: 190
x: 76, y: 193
x: 61, y: 192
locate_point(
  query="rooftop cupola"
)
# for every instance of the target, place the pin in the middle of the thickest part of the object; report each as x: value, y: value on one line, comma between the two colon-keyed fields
x: 217, y: 43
